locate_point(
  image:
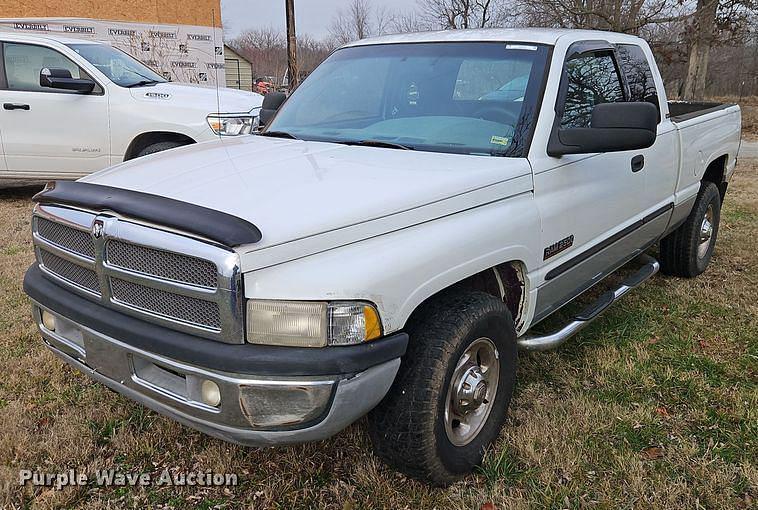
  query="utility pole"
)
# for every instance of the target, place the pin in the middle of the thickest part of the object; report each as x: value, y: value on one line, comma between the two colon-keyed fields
x: 291, y: 44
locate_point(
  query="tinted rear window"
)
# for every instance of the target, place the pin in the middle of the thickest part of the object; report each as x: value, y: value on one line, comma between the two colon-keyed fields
x: 636, y: 68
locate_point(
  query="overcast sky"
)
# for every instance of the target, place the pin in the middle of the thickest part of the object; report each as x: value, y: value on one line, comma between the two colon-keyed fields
x: 312, y: 17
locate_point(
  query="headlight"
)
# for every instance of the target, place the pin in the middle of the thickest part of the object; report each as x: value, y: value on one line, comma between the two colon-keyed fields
x: 232, y: 125
x: 311, y: 324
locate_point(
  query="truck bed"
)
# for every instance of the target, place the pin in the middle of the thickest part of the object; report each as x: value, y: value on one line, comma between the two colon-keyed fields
x: 708, y: 133
x: 685, y: 110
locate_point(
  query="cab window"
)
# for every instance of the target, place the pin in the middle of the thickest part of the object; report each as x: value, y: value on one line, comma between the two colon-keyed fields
x: 23, y: 63
x: 636, y: 68
x: 592, y: 79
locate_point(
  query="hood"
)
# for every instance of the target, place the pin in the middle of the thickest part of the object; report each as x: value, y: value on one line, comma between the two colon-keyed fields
x: 225, y: 100
x: 297, y: 191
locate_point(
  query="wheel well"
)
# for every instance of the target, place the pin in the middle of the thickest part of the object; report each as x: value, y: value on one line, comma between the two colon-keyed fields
x: 147, y: 139
x: 505, y: 281
x: 716, y: 173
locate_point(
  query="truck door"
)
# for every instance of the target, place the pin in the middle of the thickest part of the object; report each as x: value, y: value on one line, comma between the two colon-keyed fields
x: 661, y: 161
x: 3, y: 165
x: 50, y: 132
x: 591, y: 205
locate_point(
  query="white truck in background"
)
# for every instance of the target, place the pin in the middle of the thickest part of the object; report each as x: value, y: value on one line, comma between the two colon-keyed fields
x: 387, y: 242
x: 71, y: 107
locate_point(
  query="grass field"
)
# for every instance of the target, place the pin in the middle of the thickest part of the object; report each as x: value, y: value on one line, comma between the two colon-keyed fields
x: 654, y: 406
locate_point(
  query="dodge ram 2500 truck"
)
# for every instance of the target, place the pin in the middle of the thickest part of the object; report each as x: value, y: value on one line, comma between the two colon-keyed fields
x: 72, y: 107
x: 387, y: 242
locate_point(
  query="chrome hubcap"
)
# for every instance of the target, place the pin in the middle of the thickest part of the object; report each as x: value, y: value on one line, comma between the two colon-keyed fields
x: 472, y: 391
x: 706, y: 233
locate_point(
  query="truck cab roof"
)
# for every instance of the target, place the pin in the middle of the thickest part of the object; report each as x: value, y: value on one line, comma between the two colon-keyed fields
x: 548, y: 36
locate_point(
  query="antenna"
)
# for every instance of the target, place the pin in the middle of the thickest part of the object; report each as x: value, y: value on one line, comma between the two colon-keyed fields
x: 215, y: 67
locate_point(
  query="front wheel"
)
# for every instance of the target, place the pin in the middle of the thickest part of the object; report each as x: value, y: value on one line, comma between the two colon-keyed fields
x: 159, y: 147
x: 451, y: 395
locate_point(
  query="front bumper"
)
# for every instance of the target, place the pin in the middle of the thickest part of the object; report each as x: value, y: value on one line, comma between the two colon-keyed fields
x: 308, y: 404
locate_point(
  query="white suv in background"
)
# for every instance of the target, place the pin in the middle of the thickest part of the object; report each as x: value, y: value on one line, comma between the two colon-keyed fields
x: 71, y: 107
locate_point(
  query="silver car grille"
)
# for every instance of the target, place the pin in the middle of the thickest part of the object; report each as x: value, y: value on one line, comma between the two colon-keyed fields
x: 73, y: 273
x: 77, y: 241
x: 162, y: 264
x: 173, y: 306
x: 157, y: 275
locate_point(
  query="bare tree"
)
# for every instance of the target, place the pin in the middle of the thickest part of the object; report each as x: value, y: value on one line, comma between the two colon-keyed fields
x: 409, y: 22
x: 266, y: 49
x: 722, y: 21
x: 669, y: 26
x: 628, y: 16
x: 705, y: 20
x: 383, y: 19
x: 451, y: 14
x: 359, y: 21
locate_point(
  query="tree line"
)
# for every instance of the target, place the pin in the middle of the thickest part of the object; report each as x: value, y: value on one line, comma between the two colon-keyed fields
x: 703, y: 47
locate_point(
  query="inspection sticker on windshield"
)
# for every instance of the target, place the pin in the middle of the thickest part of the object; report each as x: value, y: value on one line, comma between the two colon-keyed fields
x: 500, y: 140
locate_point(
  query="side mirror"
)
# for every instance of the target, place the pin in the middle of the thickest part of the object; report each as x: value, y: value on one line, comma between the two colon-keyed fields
x: 54, y: 78
x: 614, y: 127
x: 271, y: 103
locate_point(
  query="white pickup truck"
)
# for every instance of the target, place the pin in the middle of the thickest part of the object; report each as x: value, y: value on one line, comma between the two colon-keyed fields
x: 387, y: 243
x: 71, y: 107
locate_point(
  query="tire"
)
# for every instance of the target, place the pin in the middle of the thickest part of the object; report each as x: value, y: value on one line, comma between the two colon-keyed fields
x: 683, y: 252
x: 159, y: 147
x: 408, y: 428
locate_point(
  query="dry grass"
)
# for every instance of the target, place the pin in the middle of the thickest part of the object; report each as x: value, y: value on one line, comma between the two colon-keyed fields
x: 655, y: 406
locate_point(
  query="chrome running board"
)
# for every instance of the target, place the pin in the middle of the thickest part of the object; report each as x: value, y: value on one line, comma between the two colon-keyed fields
x: 535, y: 342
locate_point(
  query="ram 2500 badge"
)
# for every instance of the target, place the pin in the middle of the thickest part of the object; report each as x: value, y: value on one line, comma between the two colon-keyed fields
x: 387, y: 243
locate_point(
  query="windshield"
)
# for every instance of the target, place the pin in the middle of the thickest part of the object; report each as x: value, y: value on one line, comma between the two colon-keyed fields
x: 118, y: 66
x: 471, y: 98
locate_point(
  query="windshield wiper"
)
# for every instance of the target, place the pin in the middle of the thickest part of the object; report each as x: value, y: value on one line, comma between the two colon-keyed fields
x: 142, y: 83
x: 378, y: 143
x: 278, y: 134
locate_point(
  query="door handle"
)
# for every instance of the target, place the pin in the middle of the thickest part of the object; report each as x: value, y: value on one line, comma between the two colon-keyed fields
x: 638, y: 163
x: 16, y: 106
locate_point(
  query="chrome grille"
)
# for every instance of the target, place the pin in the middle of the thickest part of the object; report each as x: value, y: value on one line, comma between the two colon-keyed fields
x: 164, y: 277
x: 173, y: 306
x: 71, y: 239
x: 73, y: 273
x: 162, y: 264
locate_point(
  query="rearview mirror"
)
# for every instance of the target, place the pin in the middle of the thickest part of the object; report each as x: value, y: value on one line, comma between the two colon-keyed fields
x: 54, y: 78
x: 271, y: 103
x: 614, y: 127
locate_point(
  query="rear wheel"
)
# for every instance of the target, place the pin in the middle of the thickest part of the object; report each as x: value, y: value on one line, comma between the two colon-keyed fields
x: 687, y: 251
x: 451, y: 395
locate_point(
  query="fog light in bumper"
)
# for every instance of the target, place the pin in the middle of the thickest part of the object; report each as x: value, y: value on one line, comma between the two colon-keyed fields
x: 210, y: 393
x: 285, y: 406
x: 48, y: 320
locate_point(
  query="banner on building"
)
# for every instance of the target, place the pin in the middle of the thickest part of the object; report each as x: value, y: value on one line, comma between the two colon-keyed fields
x: 181, y: 53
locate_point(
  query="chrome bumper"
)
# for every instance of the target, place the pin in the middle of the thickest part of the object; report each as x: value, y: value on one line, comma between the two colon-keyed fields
x: 173, y: 388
